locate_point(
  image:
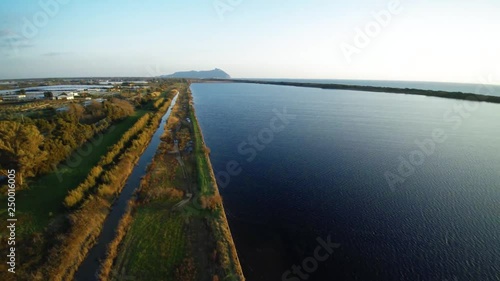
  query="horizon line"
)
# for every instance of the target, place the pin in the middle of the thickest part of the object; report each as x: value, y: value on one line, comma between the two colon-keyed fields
x: 247, y: 78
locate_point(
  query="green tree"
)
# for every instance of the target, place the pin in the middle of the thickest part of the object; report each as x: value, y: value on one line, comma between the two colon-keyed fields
x: 20, y: 149
x: 76, y: 111
x: 95, y: 109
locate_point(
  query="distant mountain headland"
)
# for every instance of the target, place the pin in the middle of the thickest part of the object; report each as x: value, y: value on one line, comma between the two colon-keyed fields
x: 207, y: 74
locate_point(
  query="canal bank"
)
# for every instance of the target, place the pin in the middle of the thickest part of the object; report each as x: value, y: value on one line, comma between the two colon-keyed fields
x: 90, y: 266
x: 221, y: 226
x: 178, y: 229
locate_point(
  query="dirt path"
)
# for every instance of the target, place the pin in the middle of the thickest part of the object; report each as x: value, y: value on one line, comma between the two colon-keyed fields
x: 181, y: 204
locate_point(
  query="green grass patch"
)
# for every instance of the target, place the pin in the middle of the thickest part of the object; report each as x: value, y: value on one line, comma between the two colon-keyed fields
x: 203, y: 170
x: 154, y: 246
x: 43, y: 199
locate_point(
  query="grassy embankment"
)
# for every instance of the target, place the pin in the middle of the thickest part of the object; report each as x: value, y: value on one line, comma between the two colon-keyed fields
x: 219, y: 224
x: 168, y: 241
x: 202, y: 161
x: 71, y: 231
x: 478, y: 95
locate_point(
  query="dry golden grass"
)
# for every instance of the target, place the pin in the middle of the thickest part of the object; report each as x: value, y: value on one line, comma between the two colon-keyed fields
x: 123, y: 226
x: 86, y: 223
x: 163, y: 193
x: 211, y: 202
x: 76, y: 195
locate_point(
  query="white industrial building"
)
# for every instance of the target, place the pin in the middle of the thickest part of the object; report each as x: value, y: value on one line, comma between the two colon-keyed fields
x: 67, y: 96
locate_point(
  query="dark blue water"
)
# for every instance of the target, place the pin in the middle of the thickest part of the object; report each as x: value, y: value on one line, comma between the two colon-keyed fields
x: 324, y: 175
x: 484, y: 86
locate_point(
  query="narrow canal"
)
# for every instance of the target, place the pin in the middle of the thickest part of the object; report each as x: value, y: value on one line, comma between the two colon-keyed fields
x: 89, y: 268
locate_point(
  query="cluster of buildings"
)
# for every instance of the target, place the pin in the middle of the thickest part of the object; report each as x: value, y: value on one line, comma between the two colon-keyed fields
x: 16, y: 97
x: 65, y: 96
x: 22, y: 96
x: 69, y: 92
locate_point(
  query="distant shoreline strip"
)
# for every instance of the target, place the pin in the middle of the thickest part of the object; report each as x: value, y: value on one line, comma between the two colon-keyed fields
x: 408, y: 91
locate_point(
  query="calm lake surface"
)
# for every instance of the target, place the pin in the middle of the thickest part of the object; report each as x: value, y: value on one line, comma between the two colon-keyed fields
x: 323, y: 174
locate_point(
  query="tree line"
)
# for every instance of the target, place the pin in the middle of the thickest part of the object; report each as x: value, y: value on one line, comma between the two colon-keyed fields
x: 33, y: 146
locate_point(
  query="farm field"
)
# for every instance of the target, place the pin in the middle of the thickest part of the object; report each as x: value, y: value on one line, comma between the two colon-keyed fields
x: 143, y: 256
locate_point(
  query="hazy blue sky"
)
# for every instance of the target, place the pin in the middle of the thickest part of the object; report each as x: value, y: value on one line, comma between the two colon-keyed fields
x: 445, y: 40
